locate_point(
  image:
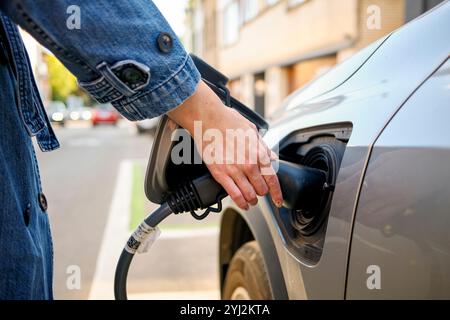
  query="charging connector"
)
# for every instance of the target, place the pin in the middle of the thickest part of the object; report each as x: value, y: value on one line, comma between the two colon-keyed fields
x: 201, y: 193
x: 301, y: 186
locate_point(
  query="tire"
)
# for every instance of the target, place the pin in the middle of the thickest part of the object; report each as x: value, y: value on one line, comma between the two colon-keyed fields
x: 247, y: 276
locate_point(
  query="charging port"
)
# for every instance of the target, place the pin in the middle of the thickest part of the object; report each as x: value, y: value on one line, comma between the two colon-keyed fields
x: 304, y: 227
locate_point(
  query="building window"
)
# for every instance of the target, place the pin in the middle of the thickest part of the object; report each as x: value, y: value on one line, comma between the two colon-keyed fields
x: 250, y: 9
x: 302, y: 72
x: 259, y: 91
x: 235, y: 87
x: 414, y: 8
x: 231, y: 23
x: 294, y: 3
x: 271, y: 2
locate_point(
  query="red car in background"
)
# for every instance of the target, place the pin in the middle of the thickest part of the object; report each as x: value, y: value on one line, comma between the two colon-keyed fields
x: 104, y: 114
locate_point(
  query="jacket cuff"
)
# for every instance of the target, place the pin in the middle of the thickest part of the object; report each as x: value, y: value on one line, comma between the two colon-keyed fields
x: 134, y: 102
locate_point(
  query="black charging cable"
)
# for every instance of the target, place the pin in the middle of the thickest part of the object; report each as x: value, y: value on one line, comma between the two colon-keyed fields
x: 201, y: 193
x: 303, y: 189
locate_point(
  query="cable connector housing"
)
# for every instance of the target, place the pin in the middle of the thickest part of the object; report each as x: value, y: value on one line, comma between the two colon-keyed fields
x: 201, y: 193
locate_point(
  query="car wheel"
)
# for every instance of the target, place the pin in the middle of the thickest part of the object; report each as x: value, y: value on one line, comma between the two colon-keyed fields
x: 247, y: 278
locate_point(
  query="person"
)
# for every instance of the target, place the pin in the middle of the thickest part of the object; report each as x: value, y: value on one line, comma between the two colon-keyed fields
x: 123, y: 53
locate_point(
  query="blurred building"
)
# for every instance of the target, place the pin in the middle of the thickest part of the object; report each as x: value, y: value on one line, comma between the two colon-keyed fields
x: 269, y: 48
x: 202, y: 36
x: 38, y: 65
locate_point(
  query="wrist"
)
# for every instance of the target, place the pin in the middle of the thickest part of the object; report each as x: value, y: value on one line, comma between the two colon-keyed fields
x: 203, y: 105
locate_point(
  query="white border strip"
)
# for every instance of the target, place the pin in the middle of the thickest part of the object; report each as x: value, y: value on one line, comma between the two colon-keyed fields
x: 115, y: 235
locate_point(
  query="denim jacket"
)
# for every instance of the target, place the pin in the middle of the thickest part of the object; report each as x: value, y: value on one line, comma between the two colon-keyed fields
x: 122, y: 52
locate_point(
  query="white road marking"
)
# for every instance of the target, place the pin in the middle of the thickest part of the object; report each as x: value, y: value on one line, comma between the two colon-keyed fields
x: 188, y: 233
x: 84, y: 142
x: 115, y: 235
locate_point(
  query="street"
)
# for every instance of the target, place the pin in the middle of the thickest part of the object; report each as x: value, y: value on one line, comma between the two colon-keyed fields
x: 80, y: 181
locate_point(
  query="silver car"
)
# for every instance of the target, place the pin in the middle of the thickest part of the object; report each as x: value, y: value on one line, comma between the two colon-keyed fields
x: 379, y: 126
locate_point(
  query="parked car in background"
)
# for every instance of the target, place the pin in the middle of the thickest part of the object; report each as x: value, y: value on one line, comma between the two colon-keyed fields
x: 378, y: 126
x: 104, y: 114
x: 147, y: 125
x: 57, y: 112
x: 77, y: 113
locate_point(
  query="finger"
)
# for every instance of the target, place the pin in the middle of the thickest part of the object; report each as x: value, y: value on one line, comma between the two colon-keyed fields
x: 274, y: 186
x: 273, y: 155
x: 264, y: 152
x: 233, y: 191
x: 257, y: 181
x: 245, y: 187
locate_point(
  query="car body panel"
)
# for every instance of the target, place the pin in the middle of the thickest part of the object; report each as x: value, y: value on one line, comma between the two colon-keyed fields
x: 406, y: 235
x: 231, y: 222
x: 368, y: 99
x: 330, y: 80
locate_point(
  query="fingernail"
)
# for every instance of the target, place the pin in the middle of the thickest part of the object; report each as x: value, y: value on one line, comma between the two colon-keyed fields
x: 279, y: 203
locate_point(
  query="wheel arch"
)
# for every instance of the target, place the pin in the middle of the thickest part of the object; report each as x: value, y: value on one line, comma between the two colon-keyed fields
x: 236, y: 229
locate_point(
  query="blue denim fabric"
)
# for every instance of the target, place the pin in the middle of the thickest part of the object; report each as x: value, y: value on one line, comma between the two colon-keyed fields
x: 25, y: 242
x: 112, y: 32
x: 113, y: 35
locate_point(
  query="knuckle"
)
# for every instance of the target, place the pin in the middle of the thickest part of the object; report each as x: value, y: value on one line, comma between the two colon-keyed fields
x: 250, y: 168
x: 232, y: 170
x: 261, y: 189
x: 250, y: 195
x: 234, y: 195
x: 263, y: 158
x: 272, y: 181
x: 270, y: 172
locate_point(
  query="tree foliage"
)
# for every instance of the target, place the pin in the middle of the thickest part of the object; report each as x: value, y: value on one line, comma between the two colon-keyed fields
x: 62, y: 82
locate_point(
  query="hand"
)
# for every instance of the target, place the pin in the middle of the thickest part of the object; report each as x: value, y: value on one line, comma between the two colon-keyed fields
x: 241, y: 162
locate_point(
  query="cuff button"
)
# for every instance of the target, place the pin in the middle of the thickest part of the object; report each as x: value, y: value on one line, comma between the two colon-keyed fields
x: 43, y: 202
x: 165, y: 42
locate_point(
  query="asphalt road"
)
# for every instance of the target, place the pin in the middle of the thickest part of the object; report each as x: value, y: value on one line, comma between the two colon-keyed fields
x: 79, y: 181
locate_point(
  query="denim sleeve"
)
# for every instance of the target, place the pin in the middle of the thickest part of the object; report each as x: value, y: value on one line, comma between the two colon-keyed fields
x: 122, y: 52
